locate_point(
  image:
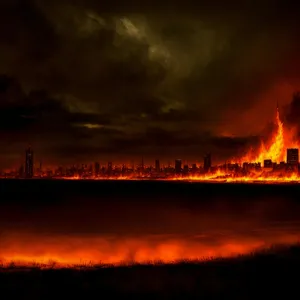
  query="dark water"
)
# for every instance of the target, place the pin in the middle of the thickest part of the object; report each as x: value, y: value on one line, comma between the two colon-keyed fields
x: 143, y: 206
x: 183, y: 219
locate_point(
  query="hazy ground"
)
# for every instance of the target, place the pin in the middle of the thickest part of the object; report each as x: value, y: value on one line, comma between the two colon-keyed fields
x: 267, y: 275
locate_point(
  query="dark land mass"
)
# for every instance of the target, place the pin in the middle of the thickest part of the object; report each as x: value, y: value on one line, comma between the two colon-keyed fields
x: 265, y: 275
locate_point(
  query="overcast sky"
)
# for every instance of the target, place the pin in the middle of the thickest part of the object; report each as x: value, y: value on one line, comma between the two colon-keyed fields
x: 85, y: 81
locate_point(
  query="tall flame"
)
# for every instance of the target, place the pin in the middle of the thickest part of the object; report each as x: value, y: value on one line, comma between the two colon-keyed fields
x: 276, y: 151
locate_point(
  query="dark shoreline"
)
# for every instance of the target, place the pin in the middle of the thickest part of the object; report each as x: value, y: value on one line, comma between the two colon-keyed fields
x: 146, y: 189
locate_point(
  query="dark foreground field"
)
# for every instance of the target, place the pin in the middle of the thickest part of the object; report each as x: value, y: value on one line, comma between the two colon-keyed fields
x: 264, y: 275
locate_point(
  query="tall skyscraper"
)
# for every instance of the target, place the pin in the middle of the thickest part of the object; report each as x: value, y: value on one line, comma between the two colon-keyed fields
x: 207, y: 162
x: 109, y: 168
x: 292, y: 156
x: 157, y: 166
x: 185, y: 169
x: 194, y: 168
x: 29, y: 163
x: 178, y: 164
x: 142, y: 164
x: 97, y: 168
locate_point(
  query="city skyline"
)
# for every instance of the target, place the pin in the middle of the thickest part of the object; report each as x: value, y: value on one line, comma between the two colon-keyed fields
x: 269, y: 170
x: 277, y: 159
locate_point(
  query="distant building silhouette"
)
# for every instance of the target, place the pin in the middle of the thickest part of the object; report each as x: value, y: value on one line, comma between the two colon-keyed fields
x: 185, y: 169
x: 207, y: 162
x: 178, y: 164
x: 194, y: 168
x: 109, y: 168
x: 268, y: 163
x: 97, y: 168
x: 29, y: 163
x: 21, y: 171
x: 157, y: 166
x: 142, y: 164
x: 292, y: 156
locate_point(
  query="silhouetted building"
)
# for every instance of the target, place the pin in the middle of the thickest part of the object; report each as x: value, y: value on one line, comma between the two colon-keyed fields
x: 194, y: 168
x: 157, y: 166
x: 97, y: 168
x: 178, y: 164
x: 109, y: 168
x: 124, y: 169
x: 268, y: 164
x: 246, y: 166
x: 185, y: 169
x: 29, y: 163
x: 292, y: 156
x: 207, y: 163
x: 142, y: 165
x: 282, y: 165
x: 21, y: 171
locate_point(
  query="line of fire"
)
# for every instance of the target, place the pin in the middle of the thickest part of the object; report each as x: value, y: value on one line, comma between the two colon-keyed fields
x: 277, y: 163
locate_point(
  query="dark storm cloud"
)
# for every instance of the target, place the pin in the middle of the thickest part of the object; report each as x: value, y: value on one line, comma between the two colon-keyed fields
x: 233, y: 142
x: 177, y: 141
x: 124, y: 76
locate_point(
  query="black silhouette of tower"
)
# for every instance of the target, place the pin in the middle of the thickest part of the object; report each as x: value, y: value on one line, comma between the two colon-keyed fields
x: 292, y: 156
x: 142, y: 165
x: 157, y: 166
x: 109, y: 168
x: 178, y: 164
x: 97, y: 168
x: 207, y: 162
x: 29, y: 163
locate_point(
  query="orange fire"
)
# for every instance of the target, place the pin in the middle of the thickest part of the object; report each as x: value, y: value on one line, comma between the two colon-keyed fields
x: 26, y: 249
x: 279, y: 144
x: 276, y: 152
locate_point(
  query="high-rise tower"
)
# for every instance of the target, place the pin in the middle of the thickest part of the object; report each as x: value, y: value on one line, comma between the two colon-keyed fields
x: 207, y: 163
x: 292, y: 156
x: 178, y: 164
x: 157, y: 166
x: 29, y: 163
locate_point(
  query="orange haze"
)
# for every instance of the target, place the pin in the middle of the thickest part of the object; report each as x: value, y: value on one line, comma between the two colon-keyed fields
x: 65, y: 250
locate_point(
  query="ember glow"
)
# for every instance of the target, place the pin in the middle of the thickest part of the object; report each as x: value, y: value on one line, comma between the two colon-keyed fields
x: 26, y: 249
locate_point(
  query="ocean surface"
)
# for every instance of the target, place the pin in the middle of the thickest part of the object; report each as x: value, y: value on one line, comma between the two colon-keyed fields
x: 114, y: 221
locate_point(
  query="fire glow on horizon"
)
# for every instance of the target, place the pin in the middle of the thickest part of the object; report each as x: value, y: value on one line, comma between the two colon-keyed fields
x: 276, y: 152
